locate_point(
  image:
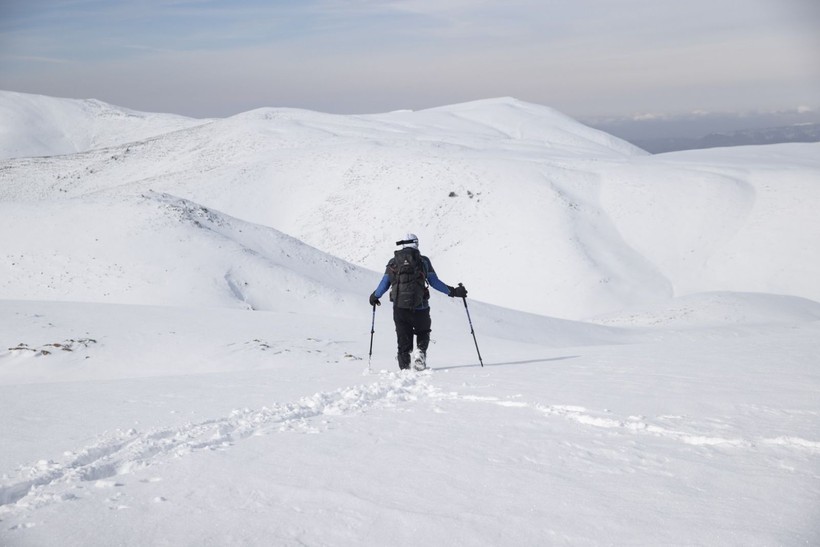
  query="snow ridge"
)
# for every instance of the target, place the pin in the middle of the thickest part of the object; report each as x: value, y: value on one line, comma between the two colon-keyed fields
x: 35, y: 125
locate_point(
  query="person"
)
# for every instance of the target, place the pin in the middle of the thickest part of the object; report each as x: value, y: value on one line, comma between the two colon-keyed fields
x: 407, y: 275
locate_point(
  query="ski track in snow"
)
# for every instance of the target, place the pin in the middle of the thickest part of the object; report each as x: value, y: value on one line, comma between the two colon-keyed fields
x: 46, y: 482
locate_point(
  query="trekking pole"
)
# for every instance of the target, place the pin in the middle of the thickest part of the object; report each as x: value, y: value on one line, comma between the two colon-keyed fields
x: 372, y: 331
x: 472, y: 331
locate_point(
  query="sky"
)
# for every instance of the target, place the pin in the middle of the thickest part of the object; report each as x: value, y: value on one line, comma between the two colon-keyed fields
x: 586, y: 58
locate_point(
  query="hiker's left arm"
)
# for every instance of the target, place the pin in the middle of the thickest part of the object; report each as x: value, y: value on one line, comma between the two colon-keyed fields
x: 437, y: 283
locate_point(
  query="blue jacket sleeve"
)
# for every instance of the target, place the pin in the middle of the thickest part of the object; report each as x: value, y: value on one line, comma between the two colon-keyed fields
x: 437, y: 283
x: 383, y: 286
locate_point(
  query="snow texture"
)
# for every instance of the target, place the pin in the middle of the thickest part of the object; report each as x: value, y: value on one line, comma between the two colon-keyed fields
x: 184, y: 332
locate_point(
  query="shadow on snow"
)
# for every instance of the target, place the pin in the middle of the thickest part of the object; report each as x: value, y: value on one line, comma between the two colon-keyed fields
x: 507, y: 363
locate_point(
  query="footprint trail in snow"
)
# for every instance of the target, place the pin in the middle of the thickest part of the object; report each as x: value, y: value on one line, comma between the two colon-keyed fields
x: 46, y: 481
x: 101, y: 464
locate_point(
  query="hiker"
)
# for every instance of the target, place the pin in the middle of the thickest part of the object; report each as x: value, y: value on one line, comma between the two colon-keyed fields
x: 407, y: 275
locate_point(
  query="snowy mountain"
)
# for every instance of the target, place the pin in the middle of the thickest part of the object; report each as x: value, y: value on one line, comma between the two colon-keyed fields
x: 35, y: 125
x: 518, y: 187
x: 185, y: 339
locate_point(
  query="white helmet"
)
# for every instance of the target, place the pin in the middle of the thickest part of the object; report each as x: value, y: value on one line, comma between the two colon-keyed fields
x: 410, y: 240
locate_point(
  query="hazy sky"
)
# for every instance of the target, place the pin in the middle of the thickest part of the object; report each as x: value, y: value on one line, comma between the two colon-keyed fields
x: 584, y: 57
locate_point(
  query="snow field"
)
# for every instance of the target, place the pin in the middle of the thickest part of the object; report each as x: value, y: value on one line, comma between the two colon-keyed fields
x: 688, y: 436
x: 184, y: 332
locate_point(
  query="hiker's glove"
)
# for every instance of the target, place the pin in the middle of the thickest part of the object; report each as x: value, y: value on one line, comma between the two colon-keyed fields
x: 374, y: 301
x: 458, y: 292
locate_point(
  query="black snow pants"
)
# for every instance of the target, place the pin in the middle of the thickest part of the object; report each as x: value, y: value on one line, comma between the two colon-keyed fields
x: 409, y: 323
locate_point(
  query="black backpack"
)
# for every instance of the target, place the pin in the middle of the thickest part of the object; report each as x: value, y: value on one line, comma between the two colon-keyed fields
x: 408, y: 279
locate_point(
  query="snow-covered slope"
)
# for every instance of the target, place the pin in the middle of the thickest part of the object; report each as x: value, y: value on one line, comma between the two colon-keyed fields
x: 187, y: 356
x: 160, y: 250
x: 501, y: 193
x: 36, y: 125
x: 203, y: 426
x: 743, y: 219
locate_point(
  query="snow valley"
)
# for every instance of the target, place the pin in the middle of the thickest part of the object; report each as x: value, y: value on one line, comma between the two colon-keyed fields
x: 185, y: 328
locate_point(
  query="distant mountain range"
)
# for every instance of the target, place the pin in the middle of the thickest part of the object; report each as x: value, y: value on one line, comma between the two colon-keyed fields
x: 807, y: 132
